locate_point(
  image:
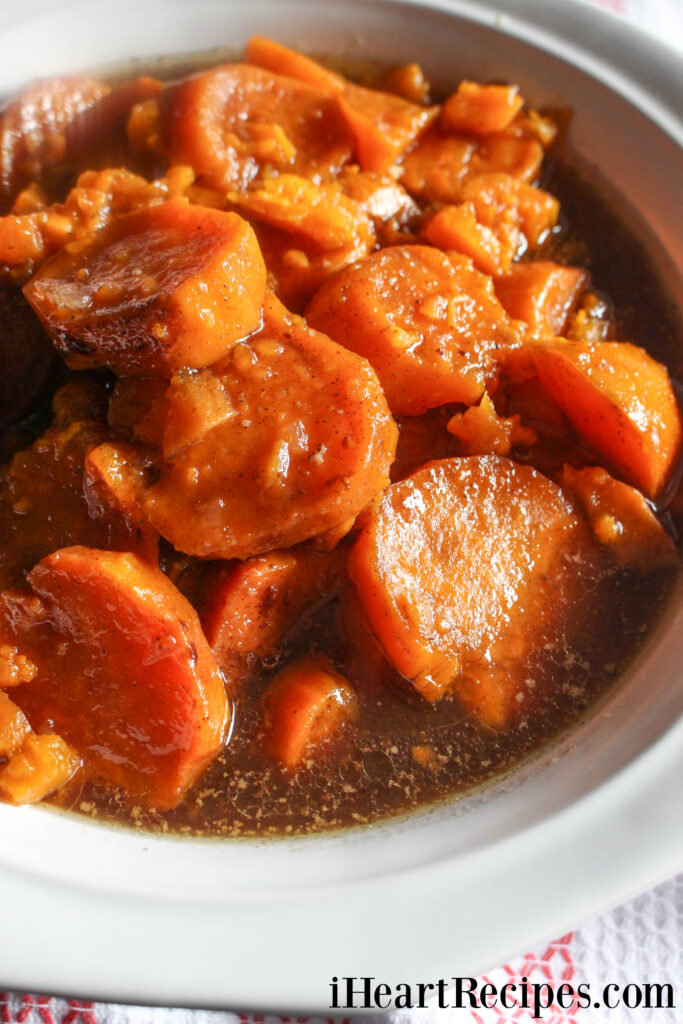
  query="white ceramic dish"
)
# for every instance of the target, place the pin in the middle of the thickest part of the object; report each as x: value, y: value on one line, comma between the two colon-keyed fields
x: 92, y: 911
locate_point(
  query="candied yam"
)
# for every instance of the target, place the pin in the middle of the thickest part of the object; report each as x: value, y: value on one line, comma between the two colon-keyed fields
x: 467, y: 565
x: 34, y: 127
x: 14, y: 727
x: 42, y: 765
x: 383, y: 125
x: 321, y: 213
x: 542, y: 294
x: 309, y: 448
x: 124, y: 672
x: 439, y: 166
x: 28, y: 361
x: 234, y: 121
x: 382, y: 198
x: 520, y: 214
x: 307, y: 703
x: 481, y: 431
x: 113, y: 482
x: 621, y: 403
x: 248, y: 609
x: 457, y: 228
x: 408, y: 81
x: 427, y: 321
x: 173, y: 285
x: 620, y: 518
x: 592, y: 321
x: 481, y: 109
x: 15, y: 667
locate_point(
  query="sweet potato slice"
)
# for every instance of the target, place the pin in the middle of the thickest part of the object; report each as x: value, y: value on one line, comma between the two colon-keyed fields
x: 249, y: 608
x: 124, y: 672
x: 14, y: 727
x: 34, y: 127
x: 173, y: 285
x: 383, y: 125
x: 542, y: 294
x: 621, y: 403
x: 466, y: 565
x: 308, y: 449
x: 306, y: 704
x: 236, y: 120
x: 620, y: 518
x: 427, y: 321
x: 42, y: 765
x: 481, y: 109
x: 481, y: 431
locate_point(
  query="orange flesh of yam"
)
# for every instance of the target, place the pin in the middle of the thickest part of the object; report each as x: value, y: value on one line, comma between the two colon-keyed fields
x: 42, y: 765
x: 542, y: 294
x: 481, y: 431
x: 620, y: 518
x: 249, y: 608
x: 14, y: 727
x: 465, y: 566
x: 125, y: 674
x: 233, y: 121
x: 306, y: 703
x: 309, y: 448
x: 481, y: 109
x: 383, y: 125
x: 173, y: 285
x: 427, y: 321
x: 621, y: 402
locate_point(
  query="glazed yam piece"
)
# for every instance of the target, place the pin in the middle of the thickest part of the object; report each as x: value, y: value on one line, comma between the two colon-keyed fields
x: 481, y: 431
x: 481, y: 109
x: 249, y: 608
x: 542, y: 293
x: 620, y: 518
x: 619, y: 400
x: 169, y: 286
x: 307, y: 703
x: 124, y: 671
x: 234, y: 121
x: 427, y: 321
x: 298, y: 441
x: 41, y: 765
x: 383, y: 126
x: 467, y: 566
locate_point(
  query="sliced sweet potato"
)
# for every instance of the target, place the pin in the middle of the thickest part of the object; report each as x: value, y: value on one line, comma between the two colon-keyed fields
x: 34, y: 127
x: 249, y: 608
x: 234, y: 121
x: 621, y: 403
x: 438, y: 167
x: 383, y: 125
x: 481, y: 431
x: 542, y: 294
x: 309, y: 447
x: 382, y: 198
x: 42, y: 765
x: 306, y: 704
x: 408, y: 81
x: 481, y: 109
x: 14, y: 727
x: 427, y: 321
x: 465, y: 566
x: 124, y: 672
x: 15, y: 667
x: 173, y: 285
x: 620, y: 518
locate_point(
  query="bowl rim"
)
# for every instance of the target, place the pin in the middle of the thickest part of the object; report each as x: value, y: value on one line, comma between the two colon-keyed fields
x: 638, y: 809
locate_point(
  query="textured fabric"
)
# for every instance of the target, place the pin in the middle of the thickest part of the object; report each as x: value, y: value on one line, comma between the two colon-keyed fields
x: 640, y: 942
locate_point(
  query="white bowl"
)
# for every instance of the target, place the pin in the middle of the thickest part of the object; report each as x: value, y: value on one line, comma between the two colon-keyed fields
x: 101, y: 912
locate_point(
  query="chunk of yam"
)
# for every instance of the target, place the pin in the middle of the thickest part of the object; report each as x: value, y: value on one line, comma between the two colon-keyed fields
x: 306, y: 704
x: 481, y: 109
x: 481, y: 431
x: 235, y: 120
x: 309, y: 448
x: 124, y: 673
x: 621, y: 403
x: 465, y: 566
x: 427, y: 321
x: 620, y: 518
x: 14, y: 727
x: 42, y: 765
x: 249, y: 608
x: 542, y: 294
x: 173, y: 285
